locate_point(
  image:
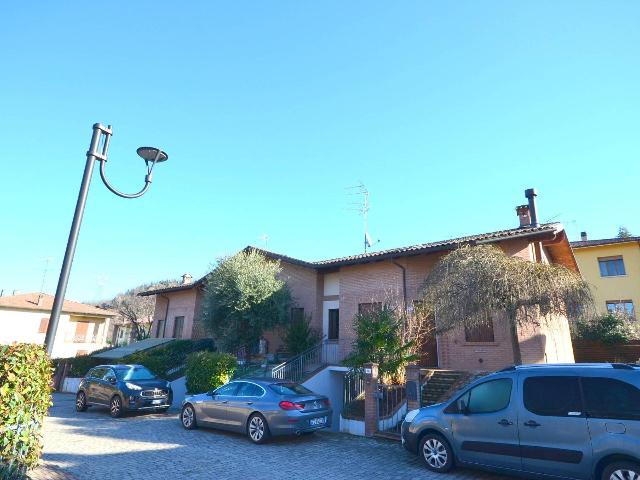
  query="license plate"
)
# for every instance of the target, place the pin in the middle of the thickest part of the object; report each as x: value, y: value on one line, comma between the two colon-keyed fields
x: 156, y: 402
x: 314, y: 422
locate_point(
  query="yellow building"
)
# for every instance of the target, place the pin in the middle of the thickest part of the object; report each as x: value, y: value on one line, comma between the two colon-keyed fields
x: 612, y: 267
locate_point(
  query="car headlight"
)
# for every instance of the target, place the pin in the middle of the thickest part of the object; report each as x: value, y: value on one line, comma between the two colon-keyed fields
x: 133, y: 386
x: 411, y: 415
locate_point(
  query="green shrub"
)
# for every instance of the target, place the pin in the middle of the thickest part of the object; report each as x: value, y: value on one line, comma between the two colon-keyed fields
x: 209, y: 370
x: 164, y: 359
x: 299, y: 336
x: 379, y: 340
x: 609, y: 328
x: 25, y: 396
x: 81, y: 365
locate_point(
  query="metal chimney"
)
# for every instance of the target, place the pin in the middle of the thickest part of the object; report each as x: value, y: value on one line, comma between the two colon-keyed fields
x: 583, y: 236
x: 531, y: 195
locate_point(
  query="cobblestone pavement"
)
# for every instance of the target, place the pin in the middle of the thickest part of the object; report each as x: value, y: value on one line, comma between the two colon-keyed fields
x: 92, y: 445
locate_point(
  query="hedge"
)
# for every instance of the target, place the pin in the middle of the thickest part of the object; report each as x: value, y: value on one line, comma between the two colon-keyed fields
x: 160, y: 360
x: 25, y: 396
x: 208, y: 370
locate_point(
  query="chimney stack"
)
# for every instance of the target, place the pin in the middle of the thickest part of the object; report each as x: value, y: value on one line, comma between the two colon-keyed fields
x: 583, y: 236
x: 187, y: 279
x: 523, y: 215
x: 531, y: 195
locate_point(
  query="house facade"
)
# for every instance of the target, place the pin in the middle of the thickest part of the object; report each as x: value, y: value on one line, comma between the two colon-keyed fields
x: 612, y: 268
x: 332, y: 292
x: 82, y: 328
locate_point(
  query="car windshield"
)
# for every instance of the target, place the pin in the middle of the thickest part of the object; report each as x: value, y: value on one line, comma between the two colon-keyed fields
x: 134, y: 373
x: 289, y: 389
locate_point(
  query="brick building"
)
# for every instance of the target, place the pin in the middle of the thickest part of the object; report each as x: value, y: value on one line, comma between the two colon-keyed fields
x: 332, y: 291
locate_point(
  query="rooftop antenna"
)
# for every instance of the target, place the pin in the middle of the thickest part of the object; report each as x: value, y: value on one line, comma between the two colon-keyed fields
x: 362, y: 207
x: 265, y: 238
x: 44, y: 277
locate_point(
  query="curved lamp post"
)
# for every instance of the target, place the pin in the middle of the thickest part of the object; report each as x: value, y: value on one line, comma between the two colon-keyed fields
x: 98, y: 150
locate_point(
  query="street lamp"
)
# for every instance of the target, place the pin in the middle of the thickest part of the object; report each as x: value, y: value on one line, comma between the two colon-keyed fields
x: 98, y: 150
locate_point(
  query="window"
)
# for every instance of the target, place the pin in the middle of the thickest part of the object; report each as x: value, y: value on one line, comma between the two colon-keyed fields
x: 178, y: 324
x: 109, y: 375
x: 334, y: 324
x: 96, y: 373
x: 621, y: 306
x: 289, y: 389
x: 81, y: 332
x: 553, y: 396
x: 297, y: 314
x: 609, y: 398
x: 44, y: 323
x: 228, y: 389
x: 134, y: 373
x: 160, y: 329
x: 480, y: 332
x: 372, y: 307
x: 488, y: 397
x: 611, y: 267
x: 250, y: 390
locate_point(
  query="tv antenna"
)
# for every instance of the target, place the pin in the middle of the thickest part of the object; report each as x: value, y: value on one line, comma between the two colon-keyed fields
x: 362, y: 207
x: 44, y: 276
x: 265, y: 238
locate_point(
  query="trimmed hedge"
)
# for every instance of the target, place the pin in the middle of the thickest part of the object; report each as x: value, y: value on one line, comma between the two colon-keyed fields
x: 160, y: 360
x: 25, y: 396
x: 209, y: 370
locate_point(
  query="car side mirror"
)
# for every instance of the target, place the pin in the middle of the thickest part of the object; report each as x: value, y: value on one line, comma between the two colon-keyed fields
x: 112, y: 380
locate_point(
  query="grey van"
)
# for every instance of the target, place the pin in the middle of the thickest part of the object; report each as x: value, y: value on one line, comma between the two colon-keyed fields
x: 579, y: 421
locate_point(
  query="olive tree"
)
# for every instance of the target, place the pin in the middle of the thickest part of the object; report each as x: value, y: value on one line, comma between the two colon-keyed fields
x: 244, y: 296
x: 473, y: 283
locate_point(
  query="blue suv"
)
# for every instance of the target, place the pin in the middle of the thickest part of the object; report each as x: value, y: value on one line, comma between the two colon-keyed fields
x: 578, y: 421
x: 123, y: 388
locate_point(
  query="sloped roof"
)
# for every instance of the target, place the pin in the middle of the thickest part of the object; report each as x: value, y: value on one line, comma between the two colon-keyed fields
x: 29, y: 301
x: 500, y: 235
x: 604, y: 241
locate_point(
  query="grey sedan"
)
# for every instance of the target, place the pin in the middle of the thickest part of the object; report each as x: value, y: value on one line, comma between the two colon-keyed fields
x: 258, y: 407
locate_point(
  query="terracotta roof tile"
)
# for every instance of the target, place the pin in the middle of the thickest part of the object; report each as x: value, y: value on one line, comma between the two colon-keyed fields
x: 29, y: 301
x: 604, y: 241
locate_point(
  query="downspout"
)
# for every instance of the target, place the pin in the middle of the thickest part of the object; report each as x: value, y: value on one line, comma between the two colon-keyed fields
x: 166, y: 314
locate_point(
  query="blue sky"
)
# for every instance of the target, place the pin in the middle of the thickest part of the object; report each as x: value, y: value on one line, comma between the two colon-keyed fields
x: 268, y: 110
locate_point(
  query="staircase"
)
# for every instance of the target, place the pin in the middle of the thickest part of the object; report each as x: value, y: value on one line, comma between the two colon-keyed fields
x: 439, y: 383
x: 302, y: 366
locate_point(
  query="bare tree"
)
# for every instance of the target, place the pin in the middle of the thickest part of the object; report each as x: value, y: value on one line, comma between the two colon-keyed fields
x: 472, y: 284
x: 137, y: 311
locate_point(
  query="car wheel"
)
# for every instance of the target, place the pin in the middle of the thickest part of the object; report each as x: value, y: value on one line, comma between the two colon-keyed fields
x: 257, y: 428
x: 436, y: 453
x: 621, y: 471
x: 188, y: 417
x: 115, y: 407
x: 81, y: 402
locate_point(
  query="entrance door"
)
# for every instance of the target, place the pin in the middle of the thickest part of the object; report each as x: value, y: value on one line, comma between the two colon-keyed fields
x: 429, y: 353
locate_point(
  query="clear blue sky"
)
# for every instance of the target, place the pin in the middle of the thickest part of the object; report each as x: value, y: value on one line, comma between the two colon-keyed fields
x: 268, y: 110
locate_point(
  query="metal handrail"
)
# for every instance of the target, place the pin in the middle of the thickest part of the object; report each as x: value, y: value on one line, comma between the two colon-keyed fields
x: 295, y: 368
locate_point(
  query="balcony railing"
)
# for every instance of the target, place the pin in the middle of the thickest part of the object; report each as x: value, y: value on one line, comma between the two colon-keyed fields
x: 320, y: 355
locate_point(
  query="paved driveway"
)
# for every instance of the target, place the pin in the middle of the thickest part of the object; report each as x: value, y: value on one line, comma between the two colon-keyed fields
x: 92, y: 445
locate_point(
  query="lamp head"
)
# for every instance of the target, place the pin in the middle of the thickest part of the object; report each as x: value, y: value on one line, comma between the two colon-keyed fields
x: 148, y: 154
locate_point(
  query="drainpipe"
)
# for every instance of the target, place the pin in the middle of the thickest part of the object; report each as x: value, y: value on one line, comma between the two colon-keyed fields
x: 404, y: 283
x: 166, y: 314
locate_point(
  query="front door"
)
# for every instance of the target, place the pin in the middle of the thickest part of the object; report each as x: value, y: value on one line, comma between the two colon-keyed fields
x: 484, y: 423
x: 214, y: 409
x: 247, y: 400
x: 554, y: 435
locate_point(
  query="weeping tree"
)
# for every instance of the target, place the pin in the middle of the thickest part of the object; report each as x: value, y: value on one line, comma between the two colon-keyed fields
x: 244, y: 296
x: 472, y: 283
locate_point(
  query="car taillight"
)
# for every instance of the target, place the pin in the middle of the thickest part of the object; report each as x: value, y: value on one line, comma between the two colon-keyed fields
x: 287, y: 405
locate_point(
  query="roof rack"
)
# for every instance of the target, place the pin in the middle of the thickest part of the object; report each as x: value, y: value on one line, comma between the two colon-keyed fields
x: 623, y: 366
x: 510, y: 368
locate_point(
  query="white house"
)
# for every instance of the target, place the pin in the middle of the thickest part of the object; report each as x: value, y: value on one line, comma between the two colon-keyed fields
x: 82, y: 328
